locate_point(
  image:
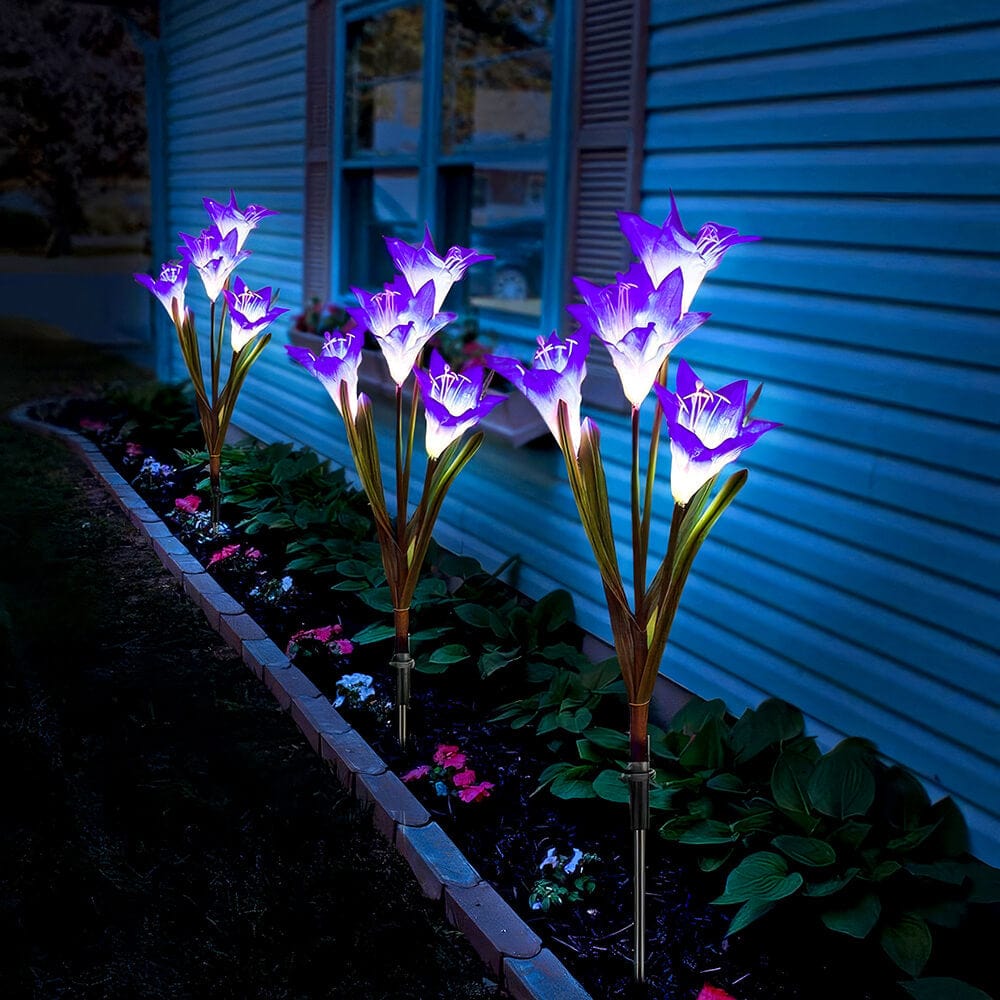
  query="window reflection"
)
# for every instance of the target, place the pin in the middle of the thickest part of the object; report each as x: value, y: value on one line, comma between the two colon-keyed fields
x: 378, y: 203
x: 384, y: 82
x: 497, y: 73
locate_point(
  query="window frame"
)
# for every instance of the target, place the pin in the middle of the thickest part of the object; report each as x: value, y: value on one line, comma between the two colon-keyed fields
x: 431, y: 163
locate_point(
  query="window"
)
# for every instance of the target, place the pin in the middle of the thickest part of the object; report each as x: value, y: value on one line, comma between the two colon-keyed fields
x: 453, y: 113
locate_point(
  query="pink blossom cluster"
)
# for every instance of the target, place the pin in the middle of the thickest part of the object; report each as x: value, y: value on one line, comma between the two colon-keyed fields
x: 94, y: 426
x: 133, y: 449
x: 324, y: 634
x: 450, y: 775
x: 230, y: 551
x: 709, y: 992
x: 188, y: 504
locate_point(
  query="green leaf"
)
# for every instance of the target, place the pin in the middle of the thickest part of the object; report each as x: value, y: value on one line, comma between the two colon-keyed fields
x: 713, y: 862
x: 842, y: 783
x: 574, y: 783
x: 695, y: 714
x: 708, y: 832
x: 474, y: 614
x: 426, y: 634
x: 373, y: 633
x: 750, y: 911
x: 422, y: 664
x: 914, y: 838
x: 587, y: 751
x: 942, y: 988
x: 772, y: 723
x: 379, y: 598
x: 762, y: 876
x: 729, y: 783
x: 789, y: 781
x: 707, y: 748
x: 943, y: 912
x: 554, y: 610
x: 831, y: 885
x: 494, y: 660
x: 806, y: 850
x: 907, y: 941
x: 985, y: 883
x: 608, y: 739
x: 609, y: 786
x: 949, y: 872
x: 856, y: 920
x: 852, y: 834
x: 452, y: 653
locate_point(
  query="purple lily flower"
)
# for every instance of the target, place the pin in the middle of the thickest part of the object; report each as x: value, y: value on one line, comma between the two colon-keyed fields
x: 401, y: 321
x: 251, y: 312
x: 708, y: 430
x: 639, y: 323
x: 557, y: 373
x: 453, y: 401
x: 662, y: 249
x: 420, y: 264
x: 337, y: 363
x: 214, y: 256
x: 169, y: 286
x: 226, y: 218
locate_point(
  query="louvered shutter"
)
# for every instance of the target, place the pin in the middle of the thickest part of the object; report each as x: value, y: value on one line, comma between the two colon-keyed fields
x: 610, y: 113
x: 318, y: 187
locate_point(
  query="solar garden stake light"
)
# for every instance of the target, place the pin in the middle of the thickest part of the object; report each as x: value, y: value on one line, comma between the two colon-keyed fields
x: 640, y: 318
x: 403, y: 317
x: 215, y: 254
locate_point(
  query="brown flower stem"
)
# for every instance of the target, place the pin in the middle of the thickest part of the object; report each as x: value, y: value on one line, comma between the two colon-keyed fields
x: 215, y: 481
x: 401, y: 620
x: 638, y: 731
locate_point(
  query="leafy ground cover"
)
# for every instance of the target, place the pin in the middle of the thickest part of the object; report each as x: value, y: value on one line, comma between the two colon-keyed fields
x: 301, y: 558
x: 165, y: 831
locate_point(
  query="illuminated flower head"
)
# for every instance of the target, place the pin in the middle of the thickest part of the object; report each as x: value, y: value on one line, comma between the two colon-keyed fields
x: 169, y: 286
x: 420, y: 264
x: 214, y: 256
x: 663, y: 249
x: 708, y: 430
x: 453, y: 402
x: 401, y: 321
x: 638, y: 323
x: 251, y: 312
x: 226, y: 218
x: 557, y: 373
x: 337, y: 364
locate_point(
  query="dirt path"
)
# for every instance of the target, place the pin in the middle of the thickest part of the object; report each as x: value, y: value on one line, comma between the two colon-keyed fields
x: 165, y: 830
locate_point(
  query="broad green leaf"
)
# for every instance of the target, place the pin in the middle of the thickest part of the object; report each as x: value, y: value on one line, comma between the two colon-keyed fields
x: 609, y: 739
x: 985, y: 883
x: 712, y: 863
x: 771, y: 723
x: 726, y: 783
x: 574, y: 783
x: 852, y: 834
x: 789, y: 780
x: 707, y: 832
x: 422, y: 664
x: 452, y: 653
x: 706, y: 748
x: 950, y: 872
x: 554, y: 610
x: 842, y: 783
x: 379, y: 599
x: 610, y: 786
x: 762, y: 876
x: 494, y: 660
x: 942, y: 988
x: 912, y: 839
x: 695, y: 713
x: 832, y: 885
x: 372, y: 633
x: 587, y: 751
x: 856, y: 920
x: 806, y: 850
x: 426, y: 634
x: 943, y: 912
x: 907, y: 941
x: 755, y: 819
x: 750, y: 911
x: 474, y: 614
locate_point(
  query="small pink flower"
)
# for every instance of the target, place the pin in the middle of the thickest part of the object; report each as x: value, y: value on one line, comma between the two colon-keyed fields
x: 344, y: 646
x: 476, y: 792
x: 97, y: 426
x: 445, y: 752
x: 462, y: 779
x: 709, y: 992
x: 253, y: 554
x: 133, y: 449
x: 226, y: 552
x: 188, y: 504
x: 322, y: 634
x: 337, y: 629
x: 417, y: 773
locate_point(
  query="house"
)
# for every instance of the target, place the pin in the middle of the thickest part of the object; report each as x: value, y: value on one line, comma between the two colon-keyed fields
x: 856, y: 576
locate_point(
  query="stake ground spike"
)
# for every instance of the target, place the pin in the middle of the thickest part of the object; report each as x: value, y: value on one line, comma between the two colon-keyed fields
x: 403, y: 665
x: 638, y: 776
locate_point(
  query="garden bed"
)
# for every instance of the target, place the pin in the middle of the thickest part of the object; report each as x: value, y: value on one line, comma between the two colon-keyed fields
x: 508, y: 833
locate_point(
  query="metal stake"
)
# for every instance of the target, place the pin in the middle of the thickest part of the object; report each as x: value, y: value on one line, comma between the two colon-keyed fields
x: 403, y: 664
x: 638, y: 777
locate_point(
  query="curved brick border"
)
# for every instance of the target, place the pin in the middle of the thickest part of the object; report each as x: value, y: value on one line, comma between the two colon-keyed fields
x: 511, y: 949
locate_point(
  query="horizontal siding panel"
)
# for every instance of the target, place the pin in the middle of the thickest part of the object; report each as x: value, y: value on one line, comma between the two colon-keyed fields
x: 276, y: 32
x: 950, y: 58
x: 864, y: 325
x: 910, y: 116
x: 242, y: 75
x: 211, y: 123
x: 678, y: 11
x: 213, y: 102
x: 284, y: 135
x: 811, y: 25
x: 885, y: 170
x: 192, y: 19
x: 965, y: 225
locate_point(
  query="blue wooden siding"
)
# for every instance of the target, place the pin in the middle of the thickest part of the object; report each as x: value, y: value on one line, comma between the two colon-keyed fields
x: 856, y: 575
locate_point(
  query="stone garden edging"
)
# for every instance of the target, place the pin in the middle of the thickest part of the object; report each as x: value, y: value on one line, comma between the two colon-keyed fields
x: 511, y: 949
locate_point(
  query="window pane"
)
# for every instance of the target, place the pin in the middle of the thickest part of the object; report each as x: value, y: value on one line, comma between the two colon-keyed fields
x: 505, y: 213
x: 377, y: 203
x: 497, y: 73
x: 384, y: 82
